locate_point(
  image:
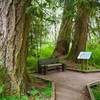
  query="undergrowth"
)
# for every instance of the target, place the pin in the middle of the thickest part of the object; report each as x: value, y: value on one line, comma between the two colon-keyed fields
x: 34, y: 94
x: 43, y: 53
x: 96, y: 91
x: 95, y: 49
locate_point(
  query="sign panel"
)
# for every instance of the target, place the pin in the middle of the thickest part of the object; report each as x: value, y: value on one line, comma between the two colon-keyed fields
x: 84, y: 55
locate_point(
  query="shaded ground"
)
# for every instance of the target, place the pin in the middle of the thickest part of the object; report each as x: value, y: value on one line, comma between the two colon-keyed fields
x: 72, y: 85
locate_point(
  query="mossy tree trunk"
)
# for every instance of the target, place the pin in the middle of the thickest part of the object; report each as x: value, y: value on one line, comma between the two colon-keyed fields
x: 80, y: 33
x: 14, y: 28
x: 64, y: 38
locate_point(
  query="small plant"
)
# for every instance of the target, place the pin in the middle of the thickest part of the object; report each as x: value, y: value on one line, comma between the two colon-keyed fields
x: 96, y: 91
x: 33, y: 92
x: 41, y: 93
x: 47, y: 90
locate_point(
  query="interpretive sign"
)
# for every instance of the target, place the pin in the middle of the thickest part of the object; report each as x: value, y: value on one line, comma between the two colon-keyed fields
x: 84, y: 55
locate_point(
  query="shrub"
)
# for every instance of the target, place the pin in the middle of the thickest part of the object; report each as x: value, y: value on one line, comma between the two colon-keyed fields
x: 95, y: 49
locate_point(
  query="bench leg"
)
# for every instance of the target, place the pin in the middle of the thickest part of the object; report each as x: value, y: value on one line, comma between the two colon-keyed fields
x: 63, y: 67
x: 39, y: 70
x: 57, y: 68
x: 45, y: 70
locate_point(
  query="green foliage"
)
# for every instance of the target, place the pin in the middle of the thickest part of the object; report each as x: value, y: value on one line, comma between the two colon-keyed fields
x: 1, y: 62
x: 37, y: 11
x: 82, y: 3
x: 89, y: 6
x: 38, y: 94
x: 1, y: 89
x: 46, y: 52
x: 47, y: 91
x: 95, y: 49
x: 33, y: 92
x: 43, y: 53
x: 24, y: 98
x: 10, y: 97
x: 2, y: 97
x: 31, y: 62
x: 96, y: 91
x: 14, y: 98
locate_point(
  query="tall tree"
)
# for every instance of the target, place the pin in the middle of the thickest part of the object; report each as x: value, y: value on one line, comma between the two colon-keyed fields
x: 80, y: 29
x: 63, y: 42
x: 14, y: 27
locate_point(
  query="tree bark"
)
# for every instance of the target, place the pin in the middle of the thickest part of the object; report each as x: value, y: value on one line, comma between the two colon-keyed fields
x: 14, y: 29
x: 63, y: 42
x: 80, y: 33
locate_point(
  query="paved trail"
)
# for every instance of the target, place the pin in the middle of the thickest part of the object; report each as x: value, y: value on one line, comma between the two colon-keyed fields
x: 72, y: 85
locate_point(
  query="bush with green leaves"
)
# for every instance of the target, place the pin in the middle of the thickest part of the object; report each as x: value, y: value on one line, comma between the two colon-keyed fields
x: 96, y: 91
x: 46, y: 52
x: 95, y: 49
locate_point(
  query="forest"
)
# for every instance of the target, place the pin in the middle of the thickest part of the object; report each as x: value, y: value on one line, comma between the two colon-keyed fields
x: 36, y: 30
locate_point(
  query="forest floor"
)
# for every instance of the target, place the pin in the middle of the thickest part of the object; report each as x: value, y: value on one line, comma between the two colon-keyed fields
x: 83, y: 66
x: 71, y: 85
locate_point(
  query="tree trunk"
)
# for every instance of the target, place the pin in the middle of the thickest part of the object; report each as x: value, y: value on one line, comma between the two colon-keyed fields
x: 14, y: 25
x: 63, y: 42
x: 80, y: 34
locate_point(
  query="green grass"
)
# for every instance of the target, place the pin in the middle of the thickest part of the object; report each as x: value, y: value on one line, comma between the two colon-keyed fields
x: 96, y: 91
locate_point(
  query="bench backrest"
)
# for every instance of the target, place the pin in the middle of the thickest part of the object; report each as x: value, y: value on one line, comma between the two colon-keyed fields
x: 48, y: 61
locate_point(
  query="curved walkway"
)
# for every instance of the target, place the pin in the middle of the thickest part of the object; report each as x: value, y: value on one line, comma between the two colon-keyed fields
x: 72, y: 85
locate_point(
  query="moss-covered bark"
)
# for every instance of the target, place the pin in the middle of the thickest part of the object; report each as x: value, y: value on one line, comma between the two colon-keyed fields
x: 14, y: 26
x: 64, y: 38
x: 80, y: 33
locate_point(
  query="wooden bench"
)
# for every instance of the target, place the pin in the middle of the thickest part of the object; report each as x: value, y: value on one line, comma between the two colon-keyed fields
x: 46, y: 65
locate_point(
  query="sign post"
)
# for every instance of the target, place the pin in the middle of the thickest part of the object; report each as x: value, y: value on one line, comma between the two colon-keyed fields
x: 84, y: 56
